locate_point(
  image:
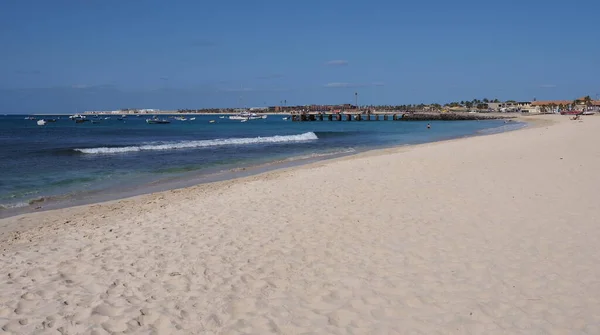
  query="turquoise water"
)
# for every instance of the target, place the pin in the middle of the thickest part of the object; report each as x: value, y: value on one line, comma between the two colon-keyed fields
x: 64, y: 160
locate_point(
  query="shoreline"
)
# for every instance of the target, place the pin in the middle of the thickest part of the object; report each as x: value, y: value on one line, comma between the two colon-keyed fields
x: 489, y: 234
x: 194, y: 178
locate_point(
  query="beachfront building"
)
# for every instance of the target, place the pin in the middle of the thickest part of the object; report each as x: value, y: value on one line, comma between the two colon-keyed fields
x: 551, y: 106
x: 125, y: 111
x: 510, y: 106
x: 555, y: 106
x: 312, y: 108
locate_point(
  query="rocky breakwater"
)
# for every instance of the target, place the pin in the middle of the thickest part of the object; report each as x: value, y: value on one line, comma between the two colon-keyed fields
x: 451, y: 116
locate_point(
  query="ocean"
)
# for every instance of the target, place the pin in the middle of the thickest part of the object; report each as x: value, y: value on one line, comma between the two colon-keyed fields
x: 66, y: 163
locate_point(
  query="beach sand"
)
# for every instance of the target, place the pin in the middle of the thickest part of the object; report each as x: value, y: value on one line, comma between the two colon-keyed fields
x: 486, y: 235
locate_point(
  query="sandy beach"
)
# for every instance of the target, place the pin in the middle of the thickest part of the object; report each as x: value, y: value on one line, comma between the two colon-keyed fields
x: 494, y: 234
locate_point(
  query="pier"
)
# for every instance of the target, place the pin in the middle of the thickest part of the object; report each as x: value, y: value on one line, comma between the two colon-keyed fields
x: 351, y: 116
x: 393, y: 116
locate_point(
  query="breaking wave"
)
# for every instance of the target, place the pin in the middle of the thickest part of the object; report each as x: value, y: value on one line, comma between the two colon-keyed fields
x: 310, y: 136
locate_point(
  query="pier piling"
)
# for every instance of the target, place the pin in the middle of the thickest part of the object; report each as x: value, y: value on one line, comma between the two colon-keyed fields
x: 392, y: 115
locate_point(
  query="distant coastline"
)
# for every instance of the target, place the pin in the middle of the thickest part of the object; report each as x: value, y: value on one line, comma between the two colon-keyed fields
x: 153, y: 113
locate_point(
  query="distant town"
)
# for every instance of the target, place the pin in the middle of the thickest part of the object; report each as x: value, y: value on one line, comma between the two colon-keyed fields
x: 585, y: 103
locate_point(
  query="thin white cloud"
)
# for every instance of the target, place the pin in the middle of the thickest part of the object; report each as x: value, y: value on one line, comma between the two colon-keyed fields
x: 335, y: 85
x: 548, y: 86
x: 337, y: 62
x: 90, y: 87
x: 244, y: 89
x: 271, y: 76
x: 247, y: 89
x: 352, y: 85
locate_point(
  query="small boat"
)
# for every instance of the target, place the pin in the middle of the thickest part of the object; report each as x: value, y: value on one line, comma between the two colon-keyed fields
x: 244, y: 120
x: 180, y: 118
x: 285, y: 118
x: 30, y: 118
x: 588, y: 113
x: 107, y: 118
x: 41, y: 122
x: 77, y: 117
x: 222, y: 117
x: 247, y: 116
x: 211, y: 121
x: 192, y: 119
x: 157, y: 121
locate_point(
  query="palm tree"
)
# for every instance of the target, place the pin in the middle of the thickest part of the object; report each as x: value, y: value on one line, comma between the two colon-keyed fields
x: 587, y: 101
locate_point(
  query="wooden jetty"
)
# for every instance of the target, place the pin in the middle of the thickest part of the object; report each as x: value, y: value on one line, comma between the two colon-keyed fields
x: 393, y: 116
x: 345, y: 116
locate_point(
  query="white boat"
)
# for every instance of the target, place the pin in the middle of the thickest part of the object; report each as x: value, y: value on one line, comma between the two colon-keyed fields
x: 247, y: 116
x: 285, y: 118
x: 588, y: 113
x: 180, y: 118
x: 192, y: 119
x: 222, y: 117
x: 41, y: 122
x: 157, y: 121
x: 244, y: 120
x: 211, y: 121
x: 76, y: 117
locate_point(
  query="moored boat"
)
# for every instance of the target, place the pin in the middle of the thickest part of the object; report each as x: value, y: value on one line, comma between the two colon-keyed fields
x: 157, y: 121
x: 247, y: 116
x: 77, y: 117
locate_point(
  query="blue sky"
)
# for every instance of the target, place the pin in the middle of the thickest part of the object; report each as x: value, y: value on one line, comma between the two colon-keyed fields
x: 75, y: 55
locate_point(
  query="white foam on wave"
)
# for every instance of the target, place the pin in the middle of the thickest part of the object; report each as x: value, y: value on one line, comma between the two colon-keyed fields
x: 310, y: 136
x: 14, y: 205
